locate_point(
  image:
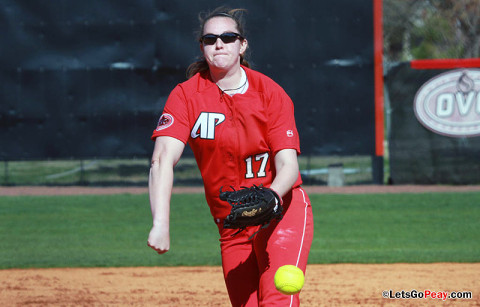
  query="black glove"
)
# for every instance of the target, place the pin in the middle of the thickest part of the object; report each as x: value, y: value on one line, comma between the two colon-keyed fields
x: 252, y: 206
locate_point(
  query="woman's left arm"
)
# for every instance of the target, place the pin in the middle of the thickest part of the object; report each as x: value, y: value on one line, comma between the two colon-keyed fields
x: 286, y: 167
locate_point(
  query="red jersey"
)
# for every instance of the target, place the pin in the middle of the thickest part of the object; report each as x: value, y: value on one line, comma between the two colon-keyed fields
x: 234, y: 138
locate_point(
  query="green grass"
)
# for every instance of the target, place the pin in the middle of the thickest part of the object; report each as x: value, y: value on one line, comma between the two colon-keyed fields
x: 94, y: 230
x: 388, y: 228
x: 80, y: 231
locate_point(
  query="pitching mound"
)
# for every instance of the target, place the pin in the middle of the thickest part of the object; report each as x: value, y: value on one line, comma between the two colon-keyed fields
x: 326, y: 285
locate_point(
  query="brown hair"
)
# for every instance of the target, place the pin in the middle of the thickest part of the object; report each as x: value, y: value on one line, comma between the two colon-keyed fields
x: 235, y: 14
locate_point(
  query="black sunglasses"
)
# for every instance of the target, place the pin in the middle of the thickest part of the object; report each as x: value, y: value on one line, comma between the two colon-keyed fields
x: 227, y: 38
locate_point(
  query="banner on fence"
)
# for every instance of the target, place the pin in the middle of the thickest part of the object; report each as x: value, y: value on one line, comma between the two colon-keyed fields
x: 434, y: 122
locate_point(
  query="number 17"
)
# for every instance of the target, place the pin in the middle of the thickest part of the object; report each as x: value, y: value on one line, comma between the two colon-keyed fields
x: 263, y: 165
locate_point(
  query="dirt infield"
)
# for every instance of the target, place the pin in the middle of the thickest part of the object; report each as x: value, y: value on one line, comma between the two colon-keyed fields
x: 326, y: 285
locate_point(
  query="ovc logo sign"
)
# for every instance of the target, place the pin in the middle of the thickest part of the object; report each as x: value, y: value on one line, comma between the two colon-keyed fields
x: 449, y: 104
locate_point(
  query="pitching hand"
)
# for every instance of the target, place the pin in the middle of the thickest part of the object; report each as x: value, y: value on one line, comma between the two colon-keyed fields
x: 159, y: 239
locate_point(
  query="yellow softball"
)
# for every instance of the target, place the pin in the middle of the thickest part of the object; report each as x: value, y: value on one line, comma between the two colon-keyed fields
x: 289, y: 279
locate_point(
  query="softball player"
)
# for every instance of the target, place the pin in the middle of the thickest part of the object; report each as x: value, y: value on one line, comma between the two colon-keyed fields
x: 240, y: 125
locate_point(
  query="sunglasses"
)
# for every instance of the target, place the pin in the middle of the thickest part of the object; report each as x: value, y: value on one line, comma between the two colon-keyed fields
x: 227, y: 38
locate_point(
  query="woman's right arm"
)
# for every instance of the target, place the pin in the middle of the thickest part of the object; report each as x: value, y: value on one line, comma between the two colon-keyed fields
x: 165, y: 156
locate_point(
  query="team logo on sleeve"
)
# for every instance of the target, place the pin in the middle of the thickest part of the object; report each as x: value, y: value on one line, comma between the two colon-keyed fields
x: 165, y: 121
x: 290, y: 133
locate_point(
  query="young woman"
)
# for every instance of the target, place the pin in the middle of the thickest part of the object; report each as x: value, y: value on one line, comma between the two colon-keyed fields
x: 240, y: 125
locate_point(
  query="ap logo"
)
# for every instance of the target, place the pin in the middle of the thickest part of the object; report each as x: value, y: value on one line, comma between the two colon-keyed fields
x: 205, y: 125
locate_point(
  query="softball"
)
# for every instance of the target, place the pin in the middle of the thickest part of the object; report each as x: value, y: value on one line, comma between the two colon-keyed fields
x: 289, y: 279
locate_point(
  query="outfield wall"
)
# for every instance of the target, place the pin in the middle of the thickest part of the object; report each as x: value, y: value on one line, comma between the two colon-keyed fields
x: 88, y: 79
x: 434, y: 121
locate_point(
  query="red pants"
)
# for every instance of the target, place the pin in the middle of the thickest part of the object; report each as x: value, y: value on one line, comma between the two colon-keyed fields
x: 249, y: 266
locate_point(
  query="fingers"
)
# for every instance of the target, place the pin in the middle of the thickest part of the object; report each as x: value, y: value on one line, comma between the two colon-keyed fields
x: 159, y: 239
x: 159, y: 250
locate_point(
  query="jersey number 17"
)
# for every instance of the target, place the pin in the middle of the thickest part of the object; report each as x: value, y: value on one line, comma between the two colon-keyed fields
x: 263, y: 165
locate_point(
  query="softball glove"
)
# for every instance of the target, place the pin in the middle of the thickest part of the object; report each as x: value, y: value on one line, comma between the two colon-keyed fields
x: 252, y: 206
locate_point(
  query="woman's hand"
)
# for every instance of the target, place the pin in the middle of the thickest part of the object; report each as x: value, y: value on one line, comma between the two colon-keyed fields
x: 159, y: 239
